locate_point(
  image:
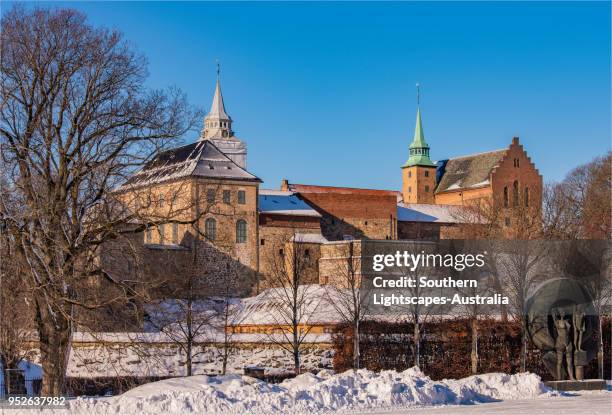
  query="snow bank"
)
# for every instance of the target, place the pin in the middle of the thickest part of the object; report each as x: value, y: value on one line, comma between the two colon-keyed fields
x: 311, y: 394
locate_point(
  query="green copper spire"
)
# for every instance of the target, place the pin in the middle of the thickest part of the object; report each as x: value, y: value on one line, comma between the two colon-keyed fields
x: 419, y: 150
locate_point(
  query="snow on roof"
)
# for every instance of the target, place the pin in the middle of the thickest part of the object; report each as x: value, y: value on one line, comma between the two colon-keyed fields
x: 420, y: 212
x: 270, y: 308
x: 284, y: 203
x: 201, y: 159
x: 309, y: 238
x: 469, y: 171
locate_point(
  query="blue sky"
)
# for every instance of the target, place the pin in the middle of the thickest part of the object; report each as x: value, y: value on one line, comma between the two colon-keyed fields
x: 324, y: 93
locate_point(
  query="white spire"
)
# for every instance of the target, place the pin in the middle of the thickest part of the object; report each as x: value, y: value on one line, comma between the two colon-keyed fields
x: 217, y: 124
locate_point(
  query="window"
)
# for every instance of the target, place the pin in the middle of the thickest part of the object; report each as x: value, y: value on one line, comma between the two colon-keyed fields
x: 426, y: 189
x: 262, y: 242
x: 161, y: 231
x: 148, y: 235
x: 241, y: 197
x: 306, y: 252
x: 409, y: 189
x: 526, y: 197
x: 507, y: 221
x: 506, y: 196
x: 210, y: 229
x: 226, y: 196
x: 175, y: 233
x: 241, y: 231
x: 426, y: 173
x: 161, y: 200
x: 281, y: 252
x: 515, y: 193
x: 210, y: 195
x: 409, y: 174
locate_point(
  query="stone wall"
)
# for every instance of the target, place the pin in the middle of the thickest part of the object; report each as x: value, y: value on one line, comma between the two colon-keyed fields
x: 275, y: 233
x: 335, y: 260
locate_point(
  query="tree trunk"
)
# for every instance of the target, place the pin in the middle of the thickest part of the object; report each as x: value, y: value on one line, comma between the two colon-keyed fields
x: 189, y: 360
x: 296, y: 349
x: 523, y: 346
x: 225, y: 356
x: 356, y: 351
x: 417, y: 344
x: 474, y: 354
x: 54, y: 334
x: 600, y: 350
x: 296, y: 361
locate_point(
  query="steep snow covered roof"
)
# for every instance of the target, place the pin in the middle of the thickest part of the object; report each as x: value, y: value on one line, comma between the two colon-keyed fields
x: 469, y: 171
x: 199, y: 159
x: 280, y: 202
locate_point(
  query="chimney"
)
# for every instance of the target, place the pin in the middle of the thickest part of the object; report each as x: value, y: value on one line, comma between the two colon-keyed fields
x: 515, y: 140
x: 284, y: 185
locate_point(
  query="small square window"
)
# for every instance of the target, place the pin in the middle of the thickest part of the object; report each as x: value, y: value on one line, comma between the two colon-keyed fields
x: 281, y: 252
x: 306, y: 252
x: 262, y: 242
x: 426, y: 173
x: 507, y: 221
x: 409, y: 174
x: 226, y: 196
x: 409, y: 189
x: 210, y: 195
x: 241, y: 197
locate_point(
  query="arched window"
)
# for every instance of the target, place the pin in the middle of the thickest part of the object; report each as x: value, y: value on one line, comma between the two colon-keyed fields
x: 515, y: 193
x: 241, y: 231
x: 210, y: 229
x: 506, y: 196
x: 526, y: 197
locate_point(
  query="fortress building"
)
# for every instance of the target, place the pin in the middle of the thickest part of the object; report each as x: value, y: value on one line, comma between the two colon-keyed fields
x: 208, y: 217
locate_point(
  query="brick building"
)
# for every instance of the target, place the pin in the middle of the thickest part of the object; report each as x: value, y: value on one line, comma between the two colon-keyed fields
x: 207, y: 213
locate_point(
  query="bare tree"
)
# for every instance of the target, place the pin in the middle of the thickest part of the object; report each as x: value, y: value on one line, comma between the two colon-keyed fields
x: 229, y: 316
x: 187, y: 322
x: 518, y: 263
x: 344, y: 293
x: 486, y: 284
x: 16, y: 315
x: 76, y: 119
x: 418, y: 314
x: 579, y: 206
x: 293, y: 301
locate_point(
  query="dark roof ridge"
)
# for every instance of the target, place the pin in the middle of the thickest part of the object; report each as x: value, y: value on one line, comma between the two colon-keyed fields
x: 477, y: 154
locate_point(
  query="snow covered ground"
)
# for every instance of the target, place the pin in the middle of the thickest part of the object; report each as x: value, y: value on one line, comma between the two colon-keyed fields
x: 361, y: 392
x: 583, y: 403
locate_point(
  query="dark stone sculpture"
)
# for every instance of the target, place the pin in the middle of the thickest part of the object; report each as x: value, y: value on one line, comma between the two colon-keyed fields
x: 563, y: 344
x: 561, y: 321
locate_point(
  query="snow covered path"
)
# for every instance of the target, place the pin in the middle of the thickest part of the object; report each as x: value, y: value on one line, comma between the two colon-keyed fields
x: 591, y: 403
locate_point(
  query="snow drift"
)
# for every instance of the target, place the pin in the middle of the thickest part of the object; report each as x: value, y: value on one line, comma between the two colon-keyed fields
x: 311, y: 394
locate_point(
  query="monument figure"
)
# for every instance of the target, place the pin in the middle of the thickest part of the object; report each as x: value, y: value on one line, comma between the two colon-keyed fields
x: 561, y: 321
x: 563, y: 344
x: 579, y: 327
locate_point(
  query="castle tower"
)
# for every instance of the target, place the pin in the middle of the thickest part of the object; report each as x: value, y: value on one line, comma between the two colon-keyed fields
x: 419, y: 172
x: 218, y: 129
